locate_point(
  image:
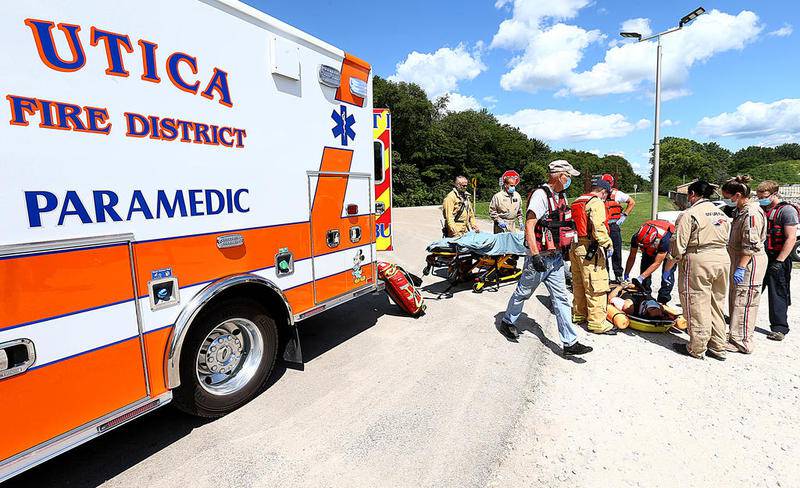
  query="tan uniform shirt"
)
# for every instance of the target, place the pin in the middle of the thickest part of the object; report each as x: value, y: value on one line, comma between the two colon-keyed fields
x: 700, y: 227
x: 506, y: 208
x: 459, y: 216
x: 596, y: 215
x: 748, y: 230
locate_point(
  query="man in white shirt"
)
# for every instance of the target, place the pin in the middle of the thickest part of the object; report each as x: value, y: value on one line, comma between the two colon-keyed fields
x: 616, y: 217
x: 547, y: 223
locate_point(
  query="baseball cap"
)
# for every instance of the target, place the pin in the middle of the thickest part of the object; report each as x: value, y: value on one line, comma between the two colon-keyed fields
x: 607, y: 177
x: 603, y: 184
x: 562, y: 166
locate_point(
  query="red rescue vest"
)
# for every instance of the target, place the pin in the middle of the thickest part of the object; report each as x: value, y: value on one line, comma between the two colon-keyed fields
x: 776, y: 236
x: 613, y: 208
x: 580, y: 216
x: 555, y: 230
x: 650, y: 235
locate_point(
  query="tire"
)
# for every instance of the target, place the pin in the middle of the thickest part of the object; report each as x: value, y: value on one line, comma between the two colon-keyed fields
x: 796, y: 253
x: 245, y: 337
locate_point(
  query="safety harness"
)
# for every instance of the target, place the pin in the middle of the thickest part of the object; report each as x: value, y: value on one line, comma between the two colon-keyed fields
x: 555, y: 230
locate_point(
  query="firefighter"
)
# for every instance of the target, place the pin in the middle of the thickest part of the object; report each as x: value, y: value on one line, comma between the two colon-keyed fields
x: 589, y: 258
x: 748, y: 263
x: 699, y: 245
x: 505, y: 209
x: 617, y: 217
x: 782, y: 221
x: 548, y: 228
x: 653, y: 239
x: 459, y: 216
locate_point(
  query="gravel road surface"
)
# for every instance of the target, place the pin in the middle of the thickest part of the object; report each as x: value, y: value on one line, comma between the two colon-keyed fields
x: 445, y: 400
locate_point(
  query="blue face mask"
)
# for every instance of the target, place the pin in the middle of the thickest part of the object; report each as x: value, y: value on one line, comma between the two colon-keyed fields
x: 728, y: 202
x: 511, y: 190
x: 765, y: 202
x: 569, y: 182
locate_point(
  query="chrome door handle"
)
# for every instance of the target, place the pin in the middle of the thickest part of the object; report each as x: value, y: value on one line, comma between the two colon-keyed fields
x: 16, y: 357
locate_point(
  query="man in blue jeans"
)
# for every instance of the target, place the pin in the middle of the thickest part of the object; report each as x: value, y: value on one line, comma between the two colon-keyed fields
x: 548, y: 222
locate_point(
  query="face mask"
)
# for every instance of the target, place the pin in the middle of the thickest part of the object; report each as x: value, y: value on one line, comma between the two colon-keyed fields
x: 569, y: 182
x: 729, y: 203
x: 765, y: 202
x: 511, y: 190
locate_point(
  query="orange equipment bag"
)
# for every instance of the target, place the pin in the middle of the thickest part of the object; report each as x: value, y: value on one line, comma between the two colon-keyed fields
x: 400, y: 288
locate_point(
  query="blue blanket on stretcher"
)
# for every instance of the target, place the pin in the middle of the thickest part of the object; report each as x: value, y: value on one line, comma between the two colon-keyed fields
x: 486, y: 244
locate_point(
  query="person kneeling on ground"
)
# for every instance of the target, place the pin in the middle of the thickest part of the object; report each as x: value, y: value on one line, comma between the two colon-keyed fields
x: 653, y: 239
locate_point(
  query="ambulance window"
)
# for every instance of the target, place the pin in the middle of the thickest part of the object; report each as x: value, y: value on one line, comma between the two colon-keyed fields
x: 378, y: 159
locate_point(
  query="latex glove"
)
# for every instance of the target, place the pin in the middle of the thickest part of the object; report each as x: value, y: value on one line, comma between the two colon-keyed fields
x: 738, y: 275
x: 502, y: 225
x: 627, y: 277
x: 609, y: 253
x: 622, y: 218
x: 668, y: 275
x: 538, y: 263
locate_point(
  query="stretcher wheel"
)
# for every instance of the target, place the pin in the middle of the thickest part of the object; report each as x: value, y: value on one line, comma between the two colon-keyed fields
x: 227, y: 356
x: 478, y: 287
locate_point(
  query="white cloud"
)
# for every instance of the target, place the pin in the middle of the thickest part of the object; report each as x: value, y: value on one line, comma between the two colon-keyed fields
x: 642, y: 124
x: 549, y: 52
x: 669, y: 123
x: 784, y: 31
x: 616, y: 153
x: 459, y: 103
x: 775, y: 123
x: 441, y: 71
x: 628, y: 66
x: 639, y: 25
x: 560, y: 125
x: 549, y: 55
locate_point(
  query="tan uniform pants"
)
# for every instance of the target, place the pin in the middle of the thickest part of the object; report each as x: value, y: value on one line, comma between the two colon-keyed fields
x: 589, y: 288
x: 743, y: 301
x: 702, y: 285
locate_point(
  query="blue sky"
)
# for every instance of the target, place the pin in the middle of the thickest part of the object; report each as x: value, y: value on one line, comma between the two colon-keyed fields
x: 557, y: 70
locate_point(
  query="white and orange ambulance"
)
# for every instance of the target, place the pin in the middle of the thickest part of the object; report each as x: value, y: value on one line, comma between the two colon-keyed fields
x: 182, y: 182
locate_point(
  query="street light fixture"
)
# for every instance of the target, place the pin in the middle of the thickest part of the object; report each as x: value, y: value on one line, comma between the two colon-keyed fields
x: 686, y: 19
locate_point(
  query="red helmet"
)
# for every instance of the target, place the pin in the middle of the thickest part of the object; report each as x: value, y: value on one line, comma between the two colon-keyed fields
x: 510, y: 174
x: 610, y: 179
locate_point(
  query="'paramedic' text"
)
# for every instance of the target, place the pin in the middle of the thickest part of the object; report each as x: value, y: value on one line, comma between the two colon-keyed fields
x: 107, y: 206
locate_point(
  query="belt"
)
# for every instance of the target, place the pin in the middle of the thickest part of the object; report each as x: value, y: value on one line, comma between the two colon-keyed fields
x: 702, y: 249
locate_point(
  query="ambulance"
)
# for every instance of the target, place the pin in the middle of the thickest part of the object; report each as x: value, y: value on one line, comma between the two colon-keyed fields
x: 182, y: 183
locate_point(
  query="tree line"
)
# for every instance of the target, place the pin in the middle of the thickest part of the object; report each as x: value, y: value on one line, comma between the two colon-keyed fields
x: 683, y: 160
x: 431, y: 146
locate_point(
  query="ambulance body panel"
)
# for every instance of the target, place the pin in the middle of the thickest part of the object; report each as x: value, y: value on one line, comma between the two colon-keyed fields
x: 158, y: 157
x: 382, y: 128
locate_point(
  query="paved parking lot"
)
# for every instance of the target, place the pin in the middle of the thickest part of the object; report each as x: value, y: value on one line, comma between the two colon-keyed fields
x: 445, y: 400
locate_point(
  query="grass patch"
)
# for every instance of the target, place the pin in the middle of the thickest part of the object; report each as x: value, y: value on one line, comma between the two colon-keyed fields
x: 641, y: 213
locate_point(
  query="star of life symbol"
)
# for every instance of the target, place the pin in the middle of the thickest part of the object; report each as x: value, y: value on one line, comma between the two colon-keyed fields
x: 344, y: 125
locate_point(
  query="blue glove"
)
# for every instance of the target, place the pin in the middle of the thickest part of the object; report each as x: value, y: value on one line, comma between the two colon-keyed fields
x: 609, y: 253
x: 622, y: 218
x: 502, y: 225
x: 668, y: 275
x: 738, y: 275
x: 627, y: 277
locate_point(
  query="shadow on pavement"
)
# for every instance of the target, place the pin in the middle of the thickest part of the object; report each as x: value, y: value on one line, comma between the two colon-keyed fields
x: 527, y: 324
x: 113, y: 453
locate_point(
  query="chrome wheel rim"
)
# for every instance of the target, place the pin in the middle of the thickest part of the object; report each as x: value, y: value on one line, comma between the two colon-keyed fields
x: 229, y: 356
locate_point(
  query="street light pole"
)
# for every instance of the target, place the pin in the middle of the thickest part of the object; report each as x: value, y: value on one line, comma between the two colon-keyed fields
x: 686, y: 19
x: 656, y: 135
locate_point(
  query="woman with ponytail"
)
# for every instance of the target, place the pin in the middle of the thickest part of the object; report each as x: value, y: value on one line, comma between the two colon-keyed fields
x: 748, y: 262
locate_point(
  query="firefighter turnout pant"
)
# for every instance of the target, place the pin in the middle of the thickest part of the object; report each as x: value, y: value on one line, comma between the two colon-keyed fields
x: 589, y: 287
x: 702, y: 285
x: 744, y: 300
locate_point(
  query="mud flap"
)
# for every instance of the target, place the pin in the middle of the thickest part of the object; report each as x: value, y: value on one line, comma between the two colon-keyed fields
x: 292, y: 354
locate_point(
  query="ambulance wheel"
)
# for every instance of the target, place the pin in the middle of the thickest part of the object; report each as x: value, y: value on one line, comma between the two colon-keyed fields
x: 227, y: 357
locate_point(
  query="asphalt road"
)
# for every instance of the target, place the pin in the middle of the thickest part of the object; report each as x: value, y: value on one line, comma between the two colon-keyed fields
x: 445, y: 400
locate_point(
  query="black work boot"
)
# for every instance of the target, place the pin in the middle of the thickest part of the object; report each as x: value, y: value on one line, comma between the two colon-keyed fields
x: 509, y: 331
x: 577, y: 349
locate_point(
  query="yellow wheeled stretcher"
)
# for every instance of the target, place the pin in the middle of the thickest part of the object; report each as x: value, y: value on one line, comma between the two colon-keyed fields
x: 622, y: 321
